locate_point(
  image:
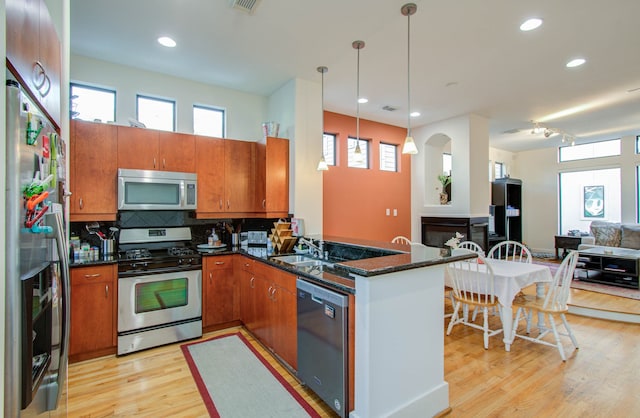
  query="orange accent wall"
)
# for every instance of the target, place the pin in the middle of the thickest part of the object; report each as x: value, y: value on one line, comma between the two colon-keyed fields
x: 355, y: 199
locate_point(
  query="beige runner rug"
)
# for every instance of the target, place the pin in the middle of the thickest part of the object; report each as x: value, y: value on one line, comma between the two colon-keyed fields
x: 234, y: 380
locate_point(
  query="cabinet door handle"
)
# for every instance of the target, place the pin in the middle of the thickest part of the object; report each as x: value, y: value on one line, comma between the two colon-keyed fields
x: 251, y: 282
x: 81, y: 204
x: 219, y: 263
x: 164, y: 163
x: 264, y: 203
x: 154, y: 162
x: 221, y: 204
x: 106, y: 291
x: 210, y: 276
x: 273, y: 293
x: 38, y: 75
x: 48, y: 89
x: 92, y: 276
x: 228, y: 204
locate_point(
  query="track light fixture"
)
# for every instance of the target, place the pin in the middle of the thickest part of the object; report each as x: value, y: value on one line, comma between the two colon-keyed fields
x: 548, y: 132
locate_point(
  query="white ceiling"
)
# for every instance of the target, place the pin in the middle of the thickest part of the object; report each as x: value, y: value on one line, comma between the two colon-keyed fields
x: 467, y: 56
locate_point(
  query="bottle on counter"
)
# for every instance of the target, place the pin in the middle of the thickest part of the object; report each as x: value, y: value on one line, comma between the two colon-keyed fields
x: 213, y: 239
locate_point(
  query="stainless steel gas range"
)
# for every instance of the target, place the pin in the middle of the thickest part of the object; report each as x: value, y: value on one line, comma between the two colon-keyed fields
x: 159, y: 288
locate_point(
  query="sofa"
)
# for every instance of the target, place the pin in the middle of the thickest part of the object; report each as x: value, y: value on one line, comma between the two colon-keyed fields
x: 611, y: 235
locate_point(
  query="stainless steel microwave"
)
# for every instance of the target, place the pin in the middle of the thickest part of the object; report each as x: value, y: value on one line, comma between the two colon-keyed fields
x: 156, y: 190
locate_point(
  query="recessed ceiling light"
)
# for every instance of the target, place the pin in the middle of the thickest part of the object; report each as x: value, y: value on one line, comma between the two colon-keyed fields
x: 166, y: 41
x: 415, y: 114
x: 363, y: 100
x: 576, y: 62
x: 531, y: 24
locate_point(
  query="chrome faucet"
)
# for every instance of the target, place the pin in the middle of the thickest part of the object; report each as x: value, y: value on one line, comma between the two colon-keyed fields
x: 314, y: 250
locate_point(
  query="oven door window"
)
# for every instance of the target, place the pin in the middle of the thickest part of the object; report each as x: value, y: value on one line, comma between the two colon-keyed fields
x: 152, y: 193
x: 165, y: 294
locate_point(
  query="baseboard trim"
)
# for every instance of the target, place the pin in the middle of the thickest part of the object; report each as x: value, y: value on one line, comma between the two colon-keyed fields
x: 602, y: 314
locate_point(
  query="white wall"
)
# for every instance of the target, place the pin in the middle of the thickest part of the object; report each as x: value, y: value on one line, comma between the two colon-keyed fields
x: 245, y: 112
x: 470, y: 187
x: 539, y: 170
x: 296, y: 106
x: 307, y: 179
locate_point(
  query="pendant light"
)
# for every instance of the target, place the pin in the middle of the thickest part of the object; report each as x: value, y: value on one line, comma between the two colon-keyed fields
x: 409, y: 145
x: 322, y: 164
x: 359, y: 156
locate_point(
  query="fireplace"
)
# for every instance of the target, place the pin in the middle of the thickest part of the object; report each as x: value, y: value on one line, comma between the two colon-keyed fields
x: 437, y: 230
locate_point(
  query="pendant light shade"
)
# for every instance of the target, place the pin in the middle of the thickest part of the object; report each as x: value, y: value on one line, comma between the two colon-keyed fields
x: 359, y: 156
x: 322, y: 164
x: 409, y: 144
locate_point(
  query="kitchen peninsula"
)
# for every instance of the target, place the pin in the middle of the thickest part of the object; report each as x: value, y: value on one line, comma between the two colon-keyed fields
x: 399, y: 327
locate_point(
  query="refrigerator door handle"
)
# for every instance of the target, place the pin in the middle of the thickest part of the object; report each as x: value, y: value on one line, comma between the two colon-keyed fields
x: 63, y: 255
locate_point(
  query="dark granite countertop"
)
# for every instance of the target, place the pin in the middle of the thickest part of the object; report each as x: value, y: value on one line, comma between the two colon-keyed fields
x: 388, y: 258
x: 350, y: 257
x: 100, y: 261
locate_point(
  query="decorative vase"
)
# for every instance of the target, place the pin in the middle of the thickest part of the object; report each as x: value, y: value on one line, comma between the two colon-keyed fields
x: 444, y: 198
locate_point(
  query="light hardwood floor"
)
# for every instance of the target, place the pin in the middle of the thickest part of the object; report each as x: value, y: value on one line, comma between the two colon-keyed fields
x: 598, y: 380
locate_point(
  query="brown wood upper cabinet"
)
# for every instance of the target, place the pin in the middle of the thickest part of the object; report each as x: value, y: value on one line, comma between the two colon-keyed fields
x: 93, y: 171
x: 33, y: 53
x: 226, y: 176
x: 272, y: 177
x: 148, y: 149
x: 242, y: 178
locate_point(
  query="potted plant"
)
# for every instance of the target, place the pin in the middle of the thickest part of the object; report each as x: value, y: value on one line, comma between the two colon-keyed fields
x: 445, y: 180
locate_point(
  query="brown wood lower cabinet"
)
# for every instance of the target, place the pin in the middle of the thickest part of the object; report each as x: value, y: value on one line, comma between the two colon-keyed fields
x: 93, y: 312
x: 221, y: 292
x: 268, y: 308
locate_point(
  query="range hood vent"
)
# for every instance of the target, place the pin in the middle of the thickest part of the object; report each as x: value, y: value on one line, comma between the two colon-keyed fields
x: 247, y: 6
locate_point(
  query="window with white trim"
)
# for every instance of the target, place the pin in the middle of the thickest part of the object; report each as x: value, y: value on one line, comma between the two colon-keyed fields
x: 156, y: 113
x: 329, y: 148
x: 388, y: 157
x: 209, y: 121
x: 358, y: 160
x: 92, y: 103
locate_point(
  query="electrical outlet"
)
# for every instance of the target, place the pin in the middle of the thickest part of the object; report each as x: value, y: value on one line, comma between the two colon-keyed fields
x: 388, y: 211
x: 395, y: 212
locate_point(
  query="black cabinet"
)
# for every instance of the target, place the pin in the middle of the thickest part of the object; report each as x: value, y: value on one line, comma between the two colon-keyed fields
x: 506, y: 197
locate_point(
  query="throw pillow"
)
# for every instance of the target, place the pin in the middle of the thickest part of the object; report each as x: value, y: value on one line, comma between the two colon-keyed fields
x: 630, y: 236
x: 607, y: 234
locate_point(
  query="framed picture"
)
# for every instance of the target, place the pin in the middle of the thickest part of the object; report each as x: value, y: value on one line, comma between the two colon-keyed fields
x: 593, y: 202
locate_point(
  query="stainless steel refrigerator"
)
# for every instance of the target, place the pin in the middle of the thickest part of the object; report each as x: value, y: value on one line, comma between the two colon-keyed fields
x: 36, y: 268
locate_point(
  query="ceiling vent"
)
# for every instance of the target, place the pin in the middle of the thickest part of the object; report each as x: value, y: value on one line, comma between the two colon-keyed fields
x: 389, y: 108
x: 512, y: 131
x: 247, y: 6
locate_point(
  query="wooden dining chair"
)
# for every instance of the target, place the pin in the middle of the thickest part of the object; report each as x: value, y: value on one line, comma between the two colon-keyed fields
x: 471, y: 246
x: 401, y: 240
x: 511, y: 251
x: 472, y: 284
x: 554, y: 302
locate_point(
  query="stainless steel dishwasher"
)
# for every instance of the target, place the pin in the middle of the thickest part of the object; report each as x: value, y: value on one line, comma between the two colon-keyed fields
x: 322, y: 344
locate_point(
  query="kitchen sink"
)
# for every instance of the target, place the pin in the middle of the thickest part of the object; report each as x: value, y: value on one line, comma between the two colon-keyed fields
x: 302, y: 261
x: 292, y: 259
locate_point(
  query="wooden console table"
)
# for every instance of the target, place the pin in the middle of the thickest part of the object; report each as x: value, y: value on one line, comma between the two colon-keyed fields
x: 566, y: 242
